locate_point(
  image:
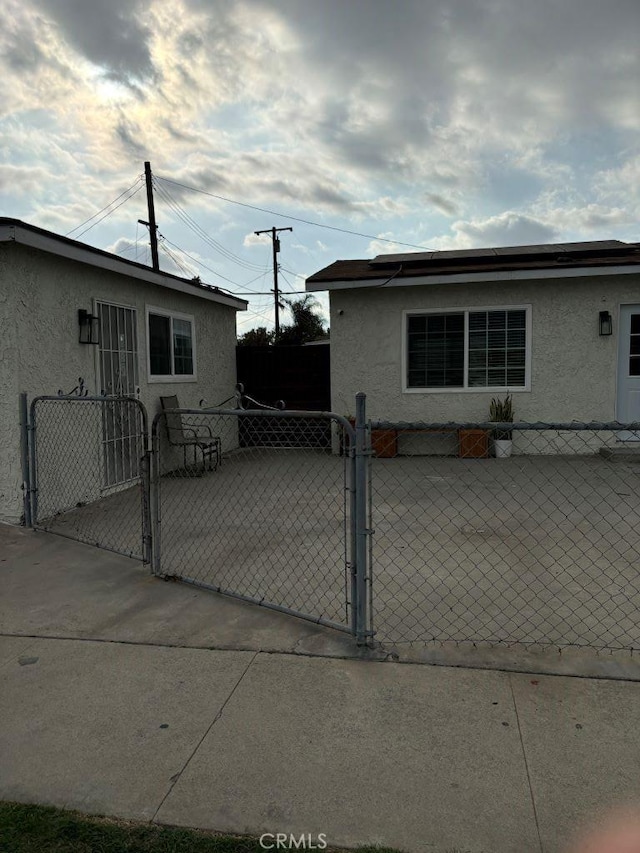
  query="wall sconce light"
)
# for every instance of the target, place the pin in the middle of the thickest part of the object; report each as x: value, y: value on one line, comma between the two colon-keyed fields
x: 88, y: 324
x: 606, y: 323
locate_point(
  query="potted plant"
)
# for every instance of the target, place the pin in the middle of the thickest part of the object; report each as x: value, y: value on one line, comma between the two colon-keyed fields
x: 501, y: 412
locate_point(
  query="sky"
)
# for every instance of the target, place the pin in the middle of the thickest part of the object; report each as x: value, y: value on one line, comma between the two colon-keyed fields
x: 368, y: 127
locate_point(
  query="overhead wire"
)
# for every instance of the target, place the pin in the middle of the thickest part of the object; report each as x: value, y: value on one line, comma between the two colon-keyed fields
x: 293, y: 218
x: 138, y: 180
x: 190, y: 222
x: 108, y: 213
x: 170, y: 254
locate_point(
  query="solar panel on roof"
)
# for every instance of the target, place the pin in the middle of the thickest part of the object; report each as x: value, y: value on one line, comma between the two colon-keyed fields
x: 500, y: 251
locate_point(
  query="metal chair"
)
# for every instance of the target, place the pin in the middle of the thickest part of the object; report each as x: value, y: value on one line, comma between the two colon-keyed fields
x: 183, y: 434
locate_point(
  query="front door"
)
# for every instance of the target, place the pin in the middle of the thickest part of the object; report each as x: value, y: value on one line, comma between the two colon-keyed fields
x: 628, y: 398
x: 118, y: 353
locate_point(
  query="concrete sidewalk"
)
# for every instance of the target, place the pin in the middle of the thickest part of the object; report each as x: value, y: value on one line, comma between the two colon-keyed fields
x: 124, y: 695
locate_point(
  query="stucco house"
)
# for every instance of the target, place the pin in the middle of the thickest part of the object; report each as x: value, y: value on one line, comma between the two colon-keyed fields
x: 145, y: 333
x: 433, y: 336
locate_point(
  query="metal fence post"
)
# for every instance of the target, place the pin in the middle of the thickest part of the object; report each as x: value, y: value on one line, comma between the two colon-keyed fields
x: 154, y: 497
x: 24, y: 459
x: 33, y: 471
x: 361, y: 461
x: 353, y: 531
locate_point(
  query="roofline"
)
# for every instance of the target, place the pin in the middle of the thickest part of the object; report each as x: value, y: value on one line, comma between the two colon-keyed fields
x: 16, y: 231
x: 470, y: 278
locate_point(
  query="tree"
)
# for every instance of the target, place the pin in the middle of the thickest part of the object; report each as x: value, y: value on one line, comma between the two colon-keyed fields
x: 260, y: 337
x: 307, y: 325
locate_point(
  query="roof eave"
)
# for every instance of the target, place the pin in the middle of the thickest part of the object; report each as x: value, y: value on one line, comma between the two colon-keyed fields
x: 469, y: 278
x: 24, y: 235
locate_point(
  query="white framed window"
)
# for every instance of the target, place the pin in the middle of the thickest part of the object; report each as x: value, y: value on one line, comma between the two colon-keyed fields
x: 171, y: 346
x: 467, y: 349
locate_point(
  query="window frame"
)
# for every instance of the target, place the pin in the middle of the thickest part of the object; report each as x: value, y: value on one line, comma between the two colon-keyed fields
x: 172, y: 315
x: 466, y: 388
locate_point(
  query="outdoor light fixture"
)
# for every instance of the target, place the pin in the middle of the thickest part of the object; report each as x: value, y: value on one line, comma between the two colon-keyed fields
x: 606, y: 323
x: 88, y: 327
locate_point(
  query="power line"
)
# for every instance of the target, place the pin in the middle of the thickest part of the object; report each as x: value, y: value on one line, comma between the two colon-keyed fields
x: 173, y: 257
x: 293, y: 218
x: 190, y: 222
x: 243, y: 287
x: 108, y: 213
x: 117, y: 198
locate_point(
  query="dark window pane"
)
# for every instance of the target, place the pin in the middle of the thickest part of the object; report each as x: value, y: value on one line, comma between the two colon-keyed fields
x: 454, y: 322
x: 417, y: 361
x: 497, y: 319
x: 515, y: 377
x: 497, y: 338
x: 635, y: 345
x: 477, y: 378
x: 516, y: 358
x: 477, y: 358
x: 497, y: 377
x: 635, y: 324
x: 516, y: 338
x: 435, y: 351
x: 417, y: 324
x: 478, y: 340
x: 477, y: 320
x: 497, y: 358
x: 435, y: 323
x: 516, y: 319
x: 634, y: 365
x: 182, y: 347
x: 435, y: 379
x: 159, y: 345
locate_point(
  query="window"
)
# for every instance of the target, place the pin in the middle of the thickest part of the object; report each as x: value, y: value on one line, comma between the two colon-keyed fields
x: 171, y: 341
x: 467, y: 349
x: 634, y: 346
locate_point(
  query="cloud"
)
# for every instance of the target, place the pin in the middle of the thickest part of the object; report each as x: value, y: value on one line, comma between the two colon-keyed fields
x: 506, y: 229
x: 442, y: 204
x: 517, y: 122
x: 110, y: 35
x: 22, y: 180
x: 252, y: 239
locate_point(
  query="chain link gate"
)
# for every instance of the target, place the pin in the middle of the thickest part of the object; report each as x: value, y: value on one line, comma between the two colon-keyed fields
x: 89, y: 471
x: 261, y: 505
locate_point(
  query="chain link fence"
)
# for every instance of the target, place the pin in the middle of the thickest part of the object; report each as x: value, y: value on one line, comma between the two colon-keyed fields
x: 506, y: 533
x: 257, y: 505
x: 477, y: 533
x: 88, y: 476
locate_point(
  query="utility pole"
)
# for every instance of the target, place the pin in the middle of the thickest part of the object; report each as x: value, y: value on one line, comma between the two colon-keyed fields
x: 153, y: 228
x: 275, y: 241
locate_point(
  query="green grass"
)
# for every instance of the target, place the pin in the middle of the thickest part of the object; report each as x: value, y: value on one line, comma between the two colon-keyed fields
x: 42, y: 829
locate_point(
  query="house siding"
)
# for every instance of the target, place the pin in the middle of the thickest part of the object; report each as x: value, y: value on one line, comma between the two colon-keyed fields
x: 573, y: 369
x: 40, y: 295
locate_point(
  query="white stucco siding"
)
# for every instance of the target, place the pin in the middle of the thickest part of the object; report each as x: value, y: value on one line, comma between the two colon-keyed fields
x: 573, y: 369
x: 10, y: 470
x: 40, y: 296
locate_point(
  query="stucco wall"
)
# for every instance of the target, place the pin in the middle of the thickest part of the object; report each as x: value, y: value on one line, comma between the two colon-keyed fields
x: 40, y: 296
x: 10, y: 472
x: 573, y: 373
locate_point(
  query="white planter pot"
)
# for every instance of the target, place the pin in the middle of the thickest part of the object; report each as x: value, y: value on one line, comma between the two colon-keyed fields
x: 502, y: 447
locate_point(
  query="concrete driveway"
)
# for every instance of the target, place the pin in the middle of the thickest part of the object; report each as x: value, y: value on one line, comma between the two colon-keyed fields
x: 125, y: 695
x: 538, y: 551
